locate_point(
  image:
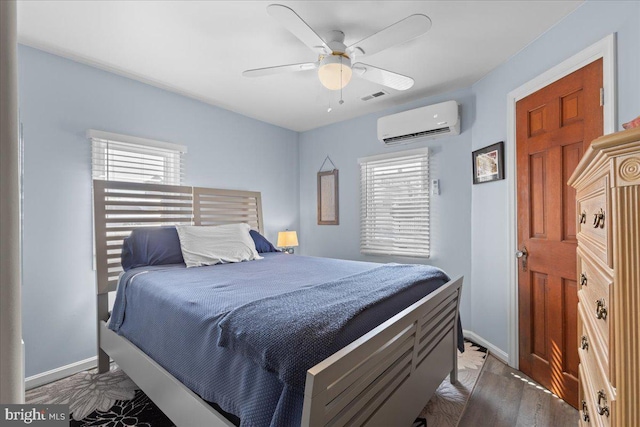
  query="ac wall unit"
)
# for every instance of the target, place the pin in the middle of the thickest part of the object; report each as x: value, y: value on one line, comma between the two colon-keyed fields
x: 432, y: 121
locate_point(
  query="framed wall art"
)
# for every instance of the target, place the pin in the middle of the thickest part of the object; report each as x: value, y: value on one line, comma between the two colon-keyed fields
x: 328, y: 212
x: 488, y: 163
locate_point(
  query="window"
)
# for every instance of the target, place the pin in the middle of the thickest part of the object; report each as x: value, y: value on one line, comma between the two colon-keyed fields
x: 126, y: 158
x: 394, y: 204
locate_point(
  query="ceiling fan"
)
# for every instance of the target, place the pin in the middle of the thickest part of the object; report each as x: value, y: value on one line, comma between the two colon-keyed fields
x: 334, y: 64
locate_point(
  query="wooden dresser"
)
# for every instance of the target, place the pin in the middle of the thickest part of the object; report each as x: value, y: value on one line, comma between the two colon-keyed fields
x: 607, y: 183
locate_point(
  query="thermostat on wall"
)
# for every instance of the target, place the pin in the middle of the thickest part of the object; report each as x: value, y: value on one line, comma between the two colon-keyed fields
x: 435, y: 187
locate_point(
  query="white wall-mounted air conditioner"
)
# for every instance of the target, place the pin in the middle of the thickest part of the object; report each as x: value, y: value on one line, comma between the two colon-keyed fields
x: 432, y: 121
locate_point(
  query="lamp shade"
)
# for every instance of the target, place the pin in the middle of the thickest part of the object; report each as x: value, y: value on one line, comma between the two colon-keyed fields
x: 335, y: 72
x: 287, y: 239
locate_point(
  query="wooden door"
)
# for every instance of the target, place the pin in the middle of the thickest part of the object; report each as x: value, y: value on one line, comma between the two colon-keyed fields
x: 554, y: 126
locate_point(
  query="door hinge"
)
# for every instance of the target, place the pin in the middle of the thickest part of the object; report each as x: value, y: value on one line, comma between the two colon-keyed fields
x: 601, y: 96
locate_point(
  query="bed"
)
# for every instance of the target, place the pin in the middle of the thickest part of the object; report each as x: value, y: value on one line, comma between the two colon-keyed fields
x: 383, y: 378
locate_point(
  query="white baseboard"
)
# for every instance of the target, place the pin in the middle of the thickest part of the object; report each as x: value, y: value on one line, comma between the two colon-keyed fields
x: 495, y: 351
x: 59, y: 373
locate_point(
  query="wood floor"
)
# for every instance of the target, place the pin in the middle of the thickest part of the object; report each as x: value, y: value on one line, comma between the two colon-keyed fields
x: 502, y: 399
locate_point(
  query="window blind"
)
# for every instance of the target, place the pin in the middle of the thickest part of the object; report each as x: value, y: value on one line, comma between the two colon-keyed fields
x: 125, y: 158
x: 394, y: 204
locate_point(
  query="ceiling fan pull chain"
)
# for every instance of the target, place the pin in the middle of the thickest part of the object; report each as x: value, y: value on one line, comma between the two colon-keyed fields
x: 341, y: 85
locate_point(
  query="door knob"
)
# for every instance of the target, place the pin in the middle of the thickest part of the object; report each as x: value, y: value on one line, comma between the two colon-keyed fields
x: 522, y: 254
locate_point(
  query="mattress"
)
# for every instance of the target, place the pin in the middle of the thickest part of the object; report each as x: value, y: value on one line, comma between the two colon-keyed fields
x: 173, y: 314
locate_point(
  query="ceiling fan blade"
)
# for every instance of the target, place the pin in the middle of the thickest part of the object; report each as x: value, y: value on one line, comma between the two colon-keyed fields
x: 382, y: 77
x: 407, y: 29
x: 267, y: 71
x: 296, y: 25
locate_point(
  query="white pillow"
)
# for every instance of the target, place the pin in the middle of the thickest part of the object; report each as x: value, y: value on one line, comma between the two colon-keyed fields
x: 208, y: 245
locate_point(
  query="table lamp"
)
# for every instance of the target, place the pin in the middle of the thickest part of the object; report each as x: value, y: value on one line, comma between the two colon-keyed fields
x: 287, y: 240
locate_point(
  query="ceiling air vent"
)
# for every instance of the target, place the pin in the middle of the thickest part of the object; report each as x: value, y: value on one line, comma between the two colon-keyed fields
x: 374, y: 95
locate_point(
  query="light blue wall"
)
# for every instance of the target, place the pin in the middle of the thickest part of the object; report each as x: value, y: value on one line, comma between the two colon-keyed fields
x: 450, y: 162
x: 490, y: 250
x: 59, y: 101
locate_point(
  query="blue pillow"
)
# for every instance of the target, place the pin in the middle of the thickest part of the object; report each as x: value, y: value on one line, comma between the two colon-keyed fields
x: 262, y: 244
x: 151, y: 246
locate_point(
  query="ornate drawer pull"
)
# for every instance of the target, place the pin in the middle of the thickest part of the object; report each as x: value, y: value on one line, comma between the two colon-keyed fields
x: 582, y: 218
x: 583, y: 279
x: 602, y: 410
x: 585, y: 411
x: 598, y: 219
x: 584, y: 343
x: 601, y: 309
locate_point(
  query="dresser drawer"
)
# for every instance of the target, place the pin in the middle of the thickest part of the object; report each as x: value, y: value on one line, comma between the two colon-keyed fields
x: 598, y: 312
x: 592, y: 276
x: 592, y: 349
x: 594, y: 219
x: 599, y: 396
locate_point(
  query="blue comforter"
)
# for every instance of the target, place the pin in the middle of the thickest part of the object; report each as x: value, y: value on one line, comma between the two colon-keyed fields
x: 290, y: 333
x: 174, y: 315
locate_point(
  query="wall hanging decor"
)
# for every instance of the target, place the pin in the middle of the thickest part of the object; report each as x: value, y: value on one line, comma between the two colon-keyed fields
x: 328, y: 212
x: 488, y: 163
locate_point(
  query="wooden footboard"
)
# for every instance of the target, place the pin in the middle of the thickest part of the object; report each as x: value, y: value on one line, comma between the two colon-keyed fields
x: 387, y: 376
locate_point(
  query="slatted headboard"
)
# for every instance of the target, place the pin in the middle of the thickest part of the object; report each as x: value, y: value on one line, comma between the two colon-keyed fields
x: 119, y: 207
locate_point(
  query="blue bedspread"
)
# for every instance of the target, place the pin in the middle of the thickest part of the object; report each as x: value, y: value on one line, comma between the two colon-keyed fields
x: 290, y: 333
x: 173, y: 314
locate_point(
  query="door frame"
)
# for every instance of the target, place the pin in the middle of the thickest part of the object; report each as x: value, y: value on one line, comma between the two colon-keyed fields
x: 605, y: 49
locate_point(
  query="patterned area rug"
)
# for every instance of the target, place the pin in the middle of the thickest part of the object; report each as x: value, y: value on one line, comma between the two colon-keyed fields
x: 446, y: 406
x: 113, y: 400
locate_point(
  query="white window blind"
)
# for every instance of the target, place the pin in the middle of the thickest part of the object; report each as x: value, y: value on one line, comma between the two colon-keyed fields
x: 394, y: 204
x: 125, y: 158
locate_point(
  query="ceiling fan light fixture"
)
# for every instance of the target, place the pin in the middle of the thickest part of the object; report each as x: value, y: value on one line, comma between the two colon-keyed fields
x: 335, y: 71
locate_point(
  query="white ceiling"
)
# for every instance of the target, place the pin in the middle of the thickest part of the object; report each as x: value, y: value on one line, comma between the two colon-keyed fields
x: 200, y: 48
